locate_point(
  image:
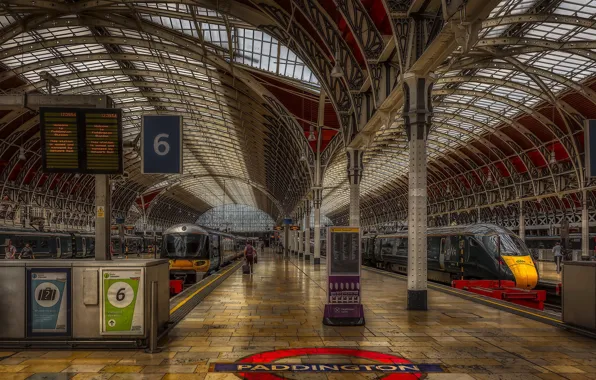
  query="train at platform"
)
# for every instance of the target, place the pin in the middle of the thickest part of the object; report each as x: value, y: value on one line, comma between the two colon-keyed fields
x: 195, y: 252
x: 66, y: 245
x: 484, y: 251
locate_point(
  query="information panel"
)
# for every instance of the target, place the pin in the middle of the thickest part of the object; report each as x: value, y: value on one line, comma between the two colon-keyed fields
x: 76, y: 140
x: 343, y: 307
x: 60, y: 137
x: 49, y: 302
x: 122, y: 301
x: 344, y: 246
x: 103, y: 141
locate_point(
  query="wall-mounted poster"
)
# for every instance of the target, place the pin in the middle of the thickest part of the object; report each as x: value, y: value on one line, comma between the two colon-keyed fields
x: 49, y: 302
x: 122, y: 301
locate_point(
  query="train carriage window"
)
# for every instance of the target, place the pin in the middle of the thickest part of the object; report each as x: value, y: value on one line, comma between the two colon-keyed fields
x: 32, y: 243
x: 44, y: 243
x: 387, y: 246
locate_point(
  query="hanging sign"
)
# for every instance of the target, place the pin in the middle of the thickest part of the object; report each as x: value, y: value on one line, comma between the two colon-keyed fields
x: 49, y: 303
x: 344, y: 304
x: 161, y: 144
x: 81, y: 140
x: 122, y: 301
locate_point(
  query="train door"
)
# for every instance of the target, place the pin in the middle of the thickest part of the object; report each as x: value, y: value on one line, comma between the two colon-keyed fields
x: 215, y: 252
x: 58, y: 247
x: 443, y: 251
x: 84, y: 246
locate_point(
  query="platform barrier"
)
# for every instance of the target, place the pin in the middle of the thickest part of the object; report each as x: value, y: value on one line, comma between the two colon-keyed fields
x: 81, y: 302
x: 503, y: 290
x: 579, y: 294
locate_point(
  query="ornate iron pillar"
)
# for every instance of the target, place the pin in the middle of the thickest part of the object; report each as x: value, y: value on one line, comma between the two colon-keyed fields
x: 286, y: 239
x: 300, y: 232
x: 522, y: 221
x: 417, y: 115
x: 355, y: 169
x: 317, y: 202
x: 585, y: 227
x: 307, y: 230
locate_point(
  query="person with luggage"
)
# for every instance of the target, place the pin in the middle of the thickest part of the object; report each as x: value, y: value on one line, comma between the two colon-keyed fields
x: 558, y: 254
x: 249, y: 255
x: 27, y: 252
x: 10, y: 251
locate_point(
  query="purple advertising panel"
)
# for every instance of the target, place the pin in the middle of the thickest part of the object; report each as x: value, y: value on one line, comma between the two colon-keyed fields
x: 343, y: 306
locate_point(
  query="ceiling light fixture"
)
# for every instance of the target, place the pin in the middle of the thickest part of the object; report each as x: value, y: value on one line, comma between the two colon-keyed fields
x: 22, y: 156
x: 553, y: 158
x: 302, y: 157
x: 337, y: 71
x: 311, y: 134
x: 113, y: 186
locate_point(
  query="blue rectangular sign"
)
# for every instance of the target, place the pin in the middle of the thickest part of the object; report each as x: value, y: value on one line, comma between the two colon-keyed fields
x: 161, y: 144
x: 49, y: 302
x: 590, y: 148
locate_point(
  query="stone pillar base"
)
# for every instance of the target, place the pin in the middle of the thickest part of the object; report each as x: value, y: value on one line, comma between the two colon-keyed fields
x: 300, y: 254
x: 317, y: 260
x: 306, y: 257
x: 417, y: 300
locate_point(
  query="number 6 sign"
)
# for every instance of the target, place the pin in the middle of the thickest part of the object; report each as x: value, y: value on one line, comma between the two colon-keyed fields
x: 161, y: 144
x: 122, y: 303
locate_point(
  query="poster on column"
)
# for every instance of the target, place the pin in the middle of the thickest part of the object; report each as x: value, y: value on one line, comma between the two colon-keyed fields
x: 122, y: 301
x: 49, y: 302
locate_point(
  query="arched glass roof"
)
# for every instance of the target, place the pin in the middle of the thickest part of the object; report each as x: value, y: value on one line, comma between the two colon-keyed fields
x: 499, y: 108
x: 237, y: 218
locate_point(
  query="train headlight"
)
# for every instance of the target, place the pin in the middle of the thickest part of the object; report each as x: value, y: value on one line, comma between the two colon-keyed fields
x: 200, y: 263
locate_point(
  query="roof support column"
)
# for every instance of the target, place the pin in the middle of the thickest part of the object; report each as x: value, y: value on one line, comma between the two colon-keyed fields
x: 585, y: 226
x: 286, y: 239
x: 300, y: 232
x: 307, y: 230
x: 317, y: 202
x: 355, y: 169
x: 522, y: 221
x: 103, y: 217
x: 417, y: 115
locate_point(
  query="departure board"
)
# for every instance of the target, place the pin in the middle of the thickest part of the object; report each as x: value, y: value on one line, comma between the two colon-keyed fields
x: 76, y: 140
x: 103, y: 141
x: 61, y: 140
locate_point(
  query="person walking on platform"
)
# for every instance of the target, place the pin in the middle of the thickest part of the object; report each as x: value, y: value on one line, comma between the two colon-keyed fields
x: 11, y: 251
x: 27, y: 252
x: 249, y: 255
x: 558, y: 252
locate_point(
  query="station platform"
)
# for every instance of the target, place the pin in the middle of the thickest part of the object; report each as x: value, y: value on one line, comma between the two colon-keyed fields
x: 275, y: 316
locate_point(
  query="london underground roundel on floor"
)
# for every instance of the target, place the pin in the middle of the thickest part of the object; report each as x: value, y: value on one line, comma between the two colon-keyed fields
x: 263, y: 366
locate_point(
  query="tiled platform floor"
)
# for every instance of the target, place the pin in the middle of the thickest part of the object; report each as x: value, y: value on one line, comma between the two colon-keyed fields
x: 280, y: 307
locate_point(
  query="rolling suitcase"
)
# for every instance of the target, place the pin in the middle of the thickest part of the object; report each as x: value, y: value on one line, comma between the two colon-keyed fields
x: 245, y: 268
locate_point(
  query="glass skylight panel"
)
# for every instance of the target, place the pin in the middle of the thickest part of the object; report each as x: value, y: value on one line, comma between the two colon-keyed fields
x: 581, y: 8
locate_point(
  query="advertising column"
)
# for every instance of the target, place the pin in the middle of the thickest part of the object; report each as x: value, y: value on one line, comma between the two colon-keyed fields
x: 344, y: 307
x: 122, y: 301
x: 49, y: 302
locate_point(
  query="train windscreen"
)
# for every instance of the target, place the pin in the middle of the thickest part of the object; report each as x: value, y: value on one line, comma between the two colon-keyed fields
x: 189, y: 246
x: 511, y: 245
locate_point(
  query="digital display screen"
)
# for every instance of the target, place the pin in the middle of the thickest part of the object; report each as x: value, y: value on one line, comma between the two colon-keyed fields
x: 76, y: 140
x: 345, y: 251
x: 61, y: 140
x: 102, y: 141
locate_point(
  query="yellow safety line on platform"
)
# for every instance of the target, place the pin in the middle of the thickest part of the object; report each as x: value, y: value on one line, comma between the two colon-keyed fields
x: 184, y: 301
x: 471, y: 295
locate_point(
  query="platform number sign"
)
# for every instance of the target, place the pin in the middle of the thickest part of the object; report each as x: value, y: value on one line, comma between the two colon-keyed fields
x: 122, y: 302
x: 161, y: 144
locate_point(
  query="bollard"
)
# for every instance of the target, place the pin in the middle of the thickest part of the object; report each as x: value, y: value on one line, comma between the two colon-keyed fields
x: 152, y: 349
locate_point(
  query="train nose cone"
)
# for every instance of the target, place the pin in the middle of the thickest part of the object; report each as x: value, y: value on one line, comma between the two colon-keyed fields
x: 524, y: 271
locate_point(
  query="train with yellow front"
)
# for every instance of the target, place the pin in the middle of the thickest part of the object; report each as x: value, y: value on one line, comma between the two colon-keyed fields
x: 469, y: 252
